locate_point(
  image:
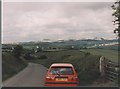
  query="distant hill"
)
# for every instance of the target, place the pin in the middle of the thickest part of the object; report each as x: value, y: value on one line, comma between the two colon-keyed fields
x: 68, y: 43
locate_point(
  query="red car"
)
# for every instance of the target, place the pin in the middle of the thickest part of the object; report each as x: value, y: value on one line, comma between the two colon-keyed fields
x: 61, y: 74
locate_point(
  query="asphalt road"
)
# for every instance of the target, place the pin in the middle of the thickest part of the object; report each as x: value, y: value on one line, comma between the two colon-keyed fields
x: 32, y: 76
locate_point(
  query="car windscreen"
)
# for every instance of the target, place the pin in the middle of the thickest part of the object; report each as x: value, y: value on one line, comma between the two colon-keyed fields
x: 61, y: 70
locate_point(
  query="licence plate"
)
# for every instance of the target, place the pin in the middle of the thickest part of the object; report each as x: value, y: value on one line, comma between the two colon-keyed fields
x: 61, y: 79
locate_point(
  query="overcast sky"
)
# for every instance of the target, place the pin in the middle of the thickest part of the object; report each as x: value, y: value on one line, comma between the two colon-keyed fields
x: 35, y: 21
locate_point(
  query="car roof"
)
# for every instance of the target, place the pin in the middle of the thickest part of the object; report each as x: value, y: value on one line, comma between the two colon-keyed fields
x: 61, y: 64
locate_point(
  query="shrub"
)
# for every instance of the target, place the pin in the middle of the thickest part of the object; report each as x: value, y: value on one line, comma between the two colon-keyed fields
x: 43, y: 57
x: 28, y: 56
x: 18, y: 51
x: 87, y: 53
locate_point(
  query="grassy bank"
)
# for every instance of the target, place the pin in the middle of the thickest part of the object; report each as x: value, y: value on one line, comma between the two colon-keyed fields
x: 86, y: 64
x: 11, y: 65
x: 108, y: 53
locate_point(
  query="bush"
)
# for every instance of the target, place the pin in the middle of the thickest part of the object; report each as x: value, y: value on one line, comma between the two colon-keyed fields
x: 18, y: 51
x: 87, y: 53
x: 43, y: 57
x: 27, y: 56
x: 86, y: 77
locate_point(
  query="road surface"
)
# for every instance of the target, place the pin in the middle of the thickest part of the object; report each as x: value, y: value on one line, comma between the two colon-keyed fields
x: 32, y: 76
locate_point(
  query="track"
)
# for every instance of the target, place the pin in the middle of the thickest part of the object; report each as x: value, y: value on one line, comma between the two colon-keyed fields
x: 32, y: 76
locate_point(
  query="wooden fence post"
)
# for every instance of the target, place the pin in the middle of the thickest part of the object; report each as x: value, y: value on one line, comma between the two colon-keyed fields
x: 101, y: 66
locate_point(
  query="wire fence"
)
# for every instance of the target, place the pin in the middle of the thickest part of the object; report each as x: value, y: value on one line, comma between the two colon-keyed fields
x: 109, y: 69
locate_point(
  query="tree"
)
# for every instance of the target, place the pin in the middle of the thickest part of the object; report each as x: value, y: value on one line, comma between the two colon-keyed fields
x: 18, y: 51
x: 39, y: 49
x: 116, y: 15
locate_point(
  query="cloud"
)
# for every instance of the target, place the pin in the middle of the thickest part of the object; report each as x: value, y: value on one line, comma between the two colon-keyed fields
x: 26, y: 21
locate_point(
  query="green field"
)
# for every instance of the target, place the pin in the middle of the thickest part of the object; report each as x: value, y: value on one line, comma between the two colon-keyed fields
x: 111, y: 47
x: 29, y: 47
x: 107, y: 53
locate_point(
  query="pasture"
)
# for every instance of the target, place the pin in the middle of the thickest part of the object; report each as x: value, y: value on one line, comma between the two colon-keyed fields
x: 108, y: 53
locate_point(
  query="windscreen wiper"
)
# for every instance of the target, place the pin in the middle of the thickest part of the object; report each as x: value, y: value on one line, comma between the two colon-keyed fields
x: 57, y: 73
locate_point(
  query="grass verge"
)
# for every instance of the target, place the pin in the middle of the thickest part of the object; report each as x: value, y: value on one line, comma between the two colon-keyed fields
x: 11, y: 65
